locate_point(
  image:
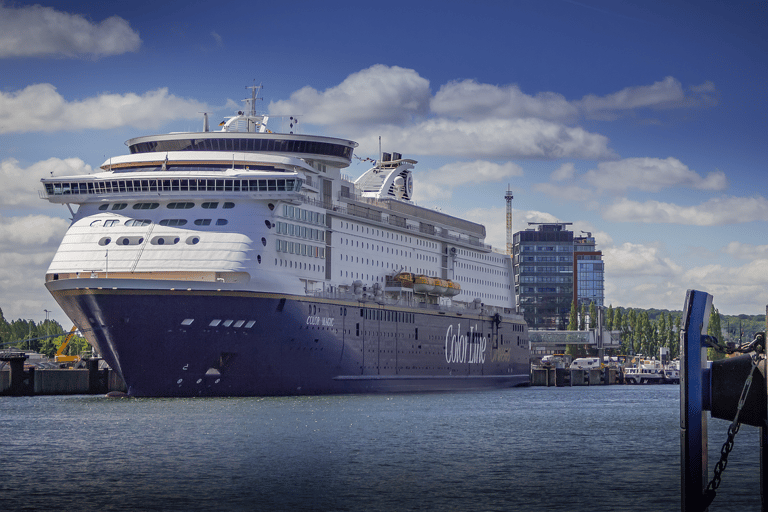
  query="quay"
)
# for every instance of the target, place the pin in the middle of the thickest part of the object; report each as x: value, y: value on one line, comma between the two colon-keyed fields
x: 560, y: 377
x: 20, y: 379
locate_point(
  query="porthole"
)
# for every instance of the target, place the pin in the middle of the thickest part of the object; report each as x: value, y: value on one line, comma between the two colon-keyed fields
x: 193, y: 240
x: 268, y: 224
x: 258, y: 258
x: 271, y: 206
x: 105, y: 241
x: 263, y: 241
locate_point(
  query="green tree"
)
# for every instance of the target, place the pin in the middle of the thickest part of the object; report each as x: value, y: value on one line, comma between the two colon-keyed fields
x: 583, y: 318
x: 630, y: 326
x: 609, y: 318
x: 592, y: 315
x: 573, y: 318
x: 714, y: 329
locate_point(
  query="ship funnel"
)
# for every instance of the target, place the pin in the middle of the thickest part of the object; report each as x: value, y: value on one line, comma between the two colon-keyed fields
x: 205, y: 122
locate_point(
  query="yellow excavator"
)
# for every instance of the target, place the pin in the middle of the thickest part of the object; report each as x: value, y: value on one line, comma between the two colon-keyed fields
x: 71, y: 360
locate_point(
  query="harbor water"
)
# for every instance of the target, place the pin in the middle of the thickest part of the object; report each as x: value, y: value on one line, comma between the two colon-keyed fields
x: 600, y: 448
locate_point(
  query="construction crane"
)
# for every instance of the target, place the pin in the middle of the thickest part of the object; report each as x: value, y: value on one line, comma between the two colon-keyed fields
x: 59, y: 358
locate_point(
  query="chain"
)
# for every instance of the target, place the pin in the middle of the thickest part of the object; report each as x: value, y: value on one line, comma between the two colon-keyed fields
x: 733, y: 429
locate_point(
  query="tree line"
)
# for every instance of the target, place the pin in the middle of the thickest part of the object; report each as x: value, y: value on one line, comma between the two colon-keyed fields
x: 644, y: 331
x: 23, y: 335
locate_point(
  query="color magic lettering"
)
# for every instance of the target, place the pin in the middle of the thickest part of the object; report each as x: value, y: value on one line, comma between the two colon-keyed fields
x: 464, y: 349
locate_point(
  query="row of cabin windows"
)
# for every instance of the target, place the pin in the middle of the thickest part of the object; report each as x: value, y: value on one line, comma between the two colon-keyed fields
x: 244, y: 144
x: 210, y: 205
x: 284, y: 228
x: 134, y: 223
x: 288, y: 247
x: 300, y: 214
x: 174, y: 185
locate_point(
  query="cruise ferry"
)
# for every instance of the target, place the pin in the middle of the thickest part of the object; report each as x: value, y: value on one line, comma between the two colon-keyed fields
x: 243, y: 262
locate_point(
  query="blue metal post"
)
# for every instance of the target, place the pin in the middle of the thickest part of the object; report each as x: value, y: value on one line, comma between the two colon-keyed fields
x: 693, y: 421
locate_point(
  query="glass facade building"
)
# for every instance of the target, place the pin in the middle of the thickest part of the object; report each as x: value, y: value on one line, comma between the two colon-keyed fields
x: 552, y: 269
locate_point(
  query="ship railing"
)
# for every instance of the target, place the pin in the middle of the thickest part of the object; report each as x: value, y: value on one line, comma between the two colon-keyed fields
x: 391, y: 220
x: 410, y: 301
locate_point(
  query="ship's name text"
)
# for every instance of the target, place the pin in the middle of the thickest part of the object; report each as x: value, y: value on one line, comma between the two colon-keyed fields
x: 460, y: 348
x: 325, y: 321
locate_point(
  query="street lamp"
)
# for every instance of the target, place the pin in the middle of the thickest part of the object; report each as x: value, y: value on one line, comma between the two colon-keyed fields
x: 46, y: 314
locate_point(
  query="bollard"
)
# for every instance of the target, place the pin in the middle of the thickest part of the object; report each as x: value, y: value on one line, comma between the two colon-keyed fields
x: 726, y: 391
x: 17, y: 376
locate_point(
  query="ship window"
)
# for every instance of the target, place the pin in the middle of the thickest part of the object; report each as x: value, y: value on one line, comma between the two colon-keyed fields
x: 227, y: 323
x: 187, y: 321
x: 221, y: 222
x: 138, y: 222
x: 193, y: 240
x: 103, y: 207
x: 239, y: 323
x: 110, y: 223
x: 105, y: 241
x: 250, y: 324
x: 180, y: 206
x: 203, y: 222
x: 210, y: 205
x: 232, y: 205
x: 263, y: 241
x: 145, y: 206
x: 214, y: 323
x: 119, y: 206
x: 173, y: 222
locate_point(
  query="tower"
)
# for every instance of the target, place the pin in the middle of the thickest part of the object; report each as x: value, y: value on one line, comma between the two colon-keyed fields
x: 508, y: 197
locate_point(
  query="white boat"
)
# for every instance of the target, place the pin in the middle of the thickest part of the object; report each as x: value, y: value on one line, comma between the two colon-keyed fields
x: 243, y: 262
x: 645, y: 372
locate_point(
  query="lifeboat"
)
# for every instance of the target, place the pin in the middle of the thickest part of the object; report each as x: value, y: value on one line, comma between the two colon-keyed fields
x: 452, y: 289
x: 441, y: 287
x: 423, y: 284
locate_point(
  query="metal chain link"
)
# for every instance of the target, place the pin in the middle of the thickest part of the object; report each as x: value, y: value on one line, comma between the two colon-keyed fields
x: 711, y: 491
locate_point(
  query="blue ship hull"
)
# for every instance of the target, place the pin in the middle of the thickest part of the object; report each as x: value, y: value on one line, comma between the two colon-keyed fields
x: 219, y: 343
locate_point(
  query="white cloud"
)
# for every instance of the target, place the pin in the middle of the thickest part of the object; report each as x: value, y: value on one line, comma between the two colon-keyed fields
x: 20, y: 185
x: 564, y: 172
x: 438, y: 184
x: 493, y: 138
x: 219, y: 40
x: 667, y: 93
x: 31, y: 231
x: 651, y: 175
x: 393, y: 103
x: 715, y: 212
x: 746, y: 251
x: 471, y: 100
x: 33, y: 31
x: 40, y: 108
x: 379, y: 94
x: 630, y: 259
x: 479, y: 171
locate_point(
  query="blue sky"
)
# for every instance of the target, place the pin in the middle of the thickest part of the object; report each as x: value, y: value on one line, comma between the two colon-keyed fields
x: 642, y: 122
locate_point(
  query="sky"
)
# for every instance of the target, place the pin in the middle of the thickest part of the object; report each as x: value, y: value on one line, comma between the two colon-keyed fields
x: 641, y: 122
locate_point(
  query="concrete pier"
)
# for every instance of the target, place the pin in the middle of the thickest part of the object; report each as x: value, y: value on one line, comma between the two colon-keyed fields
x: 18, y: 381
x: 560, y: 377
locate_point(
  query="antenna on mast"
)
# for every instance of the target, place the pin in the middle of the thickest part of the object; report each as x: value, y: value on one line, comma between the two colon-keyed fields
x: 251, y: 102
